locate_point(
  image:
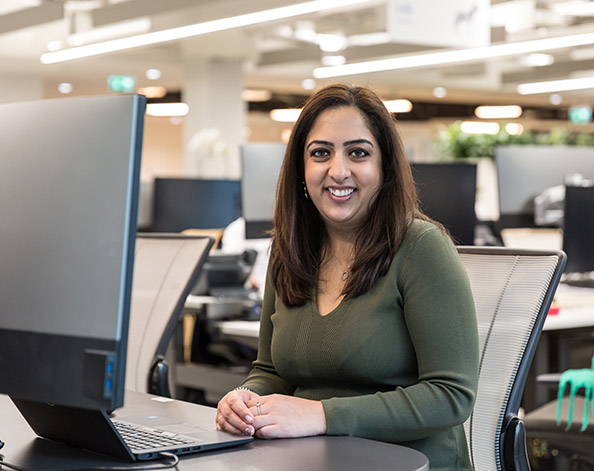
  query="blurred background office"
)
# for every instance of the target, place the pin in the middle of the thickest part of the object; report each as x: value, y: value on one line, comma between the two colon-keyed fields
x: 493, y: 100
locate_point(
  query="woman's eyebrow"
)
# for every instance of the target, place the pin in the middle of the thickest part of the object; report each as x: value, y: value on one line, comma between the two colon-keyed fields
x: 358, y: 141
x: 325, y: 143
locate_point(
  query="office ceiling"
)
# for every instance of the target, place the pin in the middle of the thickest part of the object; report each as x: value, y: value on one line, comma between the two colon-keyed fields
x: 279, y: 55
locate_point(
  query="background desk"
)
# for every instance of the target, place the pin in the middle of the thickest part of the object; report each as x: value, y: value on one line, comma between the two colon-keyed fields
x: 567, y: 341
x: 316, y: 453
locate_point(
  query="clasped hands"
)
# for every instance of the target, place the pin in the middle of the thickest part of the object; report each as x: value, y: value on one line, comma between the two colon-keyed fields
x: 278, y: 416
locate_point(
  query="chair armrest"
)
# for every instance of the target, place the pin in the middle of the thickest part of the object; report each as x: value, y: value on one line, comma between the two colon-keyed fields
x: 158, y: 378
x: 514, y: 445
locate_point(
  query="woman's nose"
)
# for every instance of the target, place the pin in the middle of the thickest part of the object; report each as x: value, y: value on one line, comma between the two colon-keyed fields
x: 339, y: 168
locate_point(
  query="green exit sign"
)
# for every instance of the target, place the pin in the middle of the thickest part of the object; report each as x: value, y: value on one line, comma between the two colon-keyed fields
x: 580, y: 114
x: 121, y: 83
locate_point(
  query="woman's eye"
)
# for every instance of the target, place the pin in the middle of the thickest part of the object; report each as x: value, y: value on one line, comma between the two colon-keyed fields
x: 359, y: 153
x: 319, y: 153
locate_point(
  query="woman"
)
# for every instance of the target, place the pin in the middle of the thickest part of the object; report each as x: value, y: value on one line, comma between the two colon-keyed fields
x: 368, y: 325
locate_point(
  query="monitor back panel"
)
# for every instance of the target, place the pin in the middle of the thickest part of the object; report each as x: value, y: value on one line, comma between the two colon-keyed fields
x: 447, y: 193
x: 194, y: 203
x: 523, y: 172
x: 578, y: 230
x: 261, y: 163
x: 68, y: 196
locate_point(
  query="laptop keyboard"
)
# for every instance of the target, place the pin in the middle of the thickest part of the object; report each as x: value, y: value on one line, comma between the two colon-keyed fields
x: 138, y: 437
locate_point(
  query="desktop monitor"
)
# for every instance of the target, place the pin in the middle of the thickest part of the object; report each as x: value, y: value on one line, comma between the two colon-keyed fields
x: 523, y: 172
x: 193, y: 203
x: 261, y: 163
x: 447, y: 193
x: 68, y: 206
x: 578, y: 229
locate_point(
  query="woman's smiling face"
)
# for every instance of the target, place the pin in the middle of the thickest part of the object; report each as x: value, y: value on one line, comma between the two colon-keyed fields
x: 343, y: 167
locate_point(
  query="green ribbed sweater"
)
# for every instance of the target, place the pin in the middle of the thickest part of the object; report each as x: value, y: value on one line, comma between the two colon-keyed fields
x: 398, y: 364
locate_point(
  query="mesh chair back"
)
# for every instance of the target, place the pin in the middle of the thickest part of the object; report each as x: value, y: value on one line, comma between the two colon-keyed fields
x: 512, y: 291
x: 165, y: 269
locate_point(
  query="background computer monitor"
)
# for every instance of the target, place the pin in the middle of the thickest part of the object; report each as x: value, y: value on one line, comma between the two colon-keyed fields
x: 447, y: 193
x: 68, y: 204
x: 193, y: 203
x: 261, y: 163
x: 523, y: 172
x: 578, y: 228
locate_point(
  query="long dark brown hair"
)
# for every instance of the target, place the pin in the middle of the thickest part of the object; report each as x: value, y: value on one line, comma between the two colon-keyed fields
x: 299, y: 234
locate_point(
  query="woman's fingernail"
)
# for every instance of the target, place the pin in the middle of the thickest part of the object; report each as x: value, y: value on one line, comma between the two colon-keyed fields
x: 248, y: 431
x: 249, y: 419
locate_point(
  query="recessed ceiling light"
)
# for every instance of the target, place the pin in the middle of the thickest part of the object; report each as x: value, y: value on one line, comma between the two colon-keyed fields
x: 440, y: 92
x: 555, y: 99
x: 308, y: 84
x: 65, y: 88
x: 54, y: 45
x: 331, y: 42
x: 536, y: 60
x: 514, y: 129
x: 153, y: 74
x: 333, y: 60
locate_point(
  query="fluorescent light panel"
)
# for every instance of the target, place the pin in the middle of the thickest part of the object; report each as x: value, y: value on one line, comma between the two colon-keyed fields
x: 195, y: 29
x: 533, y: 88
x: 498, y: 112
x: 455, y: 56
x: 398, y: 106
x: 285, y: 115
x: 167, y: 109
x: 479, y: 127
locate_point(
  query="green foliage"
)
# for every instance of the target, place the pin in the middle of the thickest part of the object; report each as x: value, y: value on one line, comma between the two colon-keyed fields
x: 456, y: 144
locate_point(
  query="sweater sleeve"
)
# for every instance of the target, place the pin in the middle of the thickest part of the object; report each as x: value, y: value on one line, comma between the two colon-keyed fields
x: 263, y: 378
x: 441, y: 322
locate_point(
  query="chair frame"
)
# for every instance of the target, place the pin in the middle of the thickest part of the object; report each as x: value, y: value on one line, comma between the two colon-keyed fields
x: 157, y: 376
x: 512, y: 440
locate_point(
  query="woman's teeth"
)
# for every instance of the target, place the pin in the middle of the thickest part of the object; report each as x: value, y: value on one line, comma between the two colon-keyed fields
x: 344, y: 192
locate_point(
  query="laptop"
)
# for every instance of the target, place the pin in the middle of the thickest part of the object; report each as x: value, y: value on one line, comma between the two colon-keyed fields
x: 165, y: 267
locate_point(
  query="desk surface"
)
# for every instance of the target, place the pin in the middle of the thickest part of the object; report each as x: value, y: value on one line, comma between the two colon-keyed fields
x: 576, y: 309
x: 315, y: 453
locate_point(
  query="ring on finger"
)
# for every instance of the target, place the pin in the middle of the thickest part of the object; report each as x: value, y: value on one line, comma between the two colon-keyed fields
x: 258, y: 407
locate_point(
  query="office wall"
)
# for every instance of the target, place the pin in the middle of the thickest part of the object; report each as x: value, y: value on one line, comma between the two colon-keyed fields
x: 162, y: 153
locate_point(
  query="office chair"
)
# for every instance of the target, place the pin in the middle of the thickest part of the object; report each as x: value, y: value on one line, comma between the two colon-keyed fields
x: 513, y: 289
x: 166, y: 266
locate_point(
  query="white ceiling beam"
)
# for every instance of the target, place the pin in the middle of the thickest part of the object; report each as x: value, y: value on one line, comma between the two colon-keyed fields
x: 28, y: 17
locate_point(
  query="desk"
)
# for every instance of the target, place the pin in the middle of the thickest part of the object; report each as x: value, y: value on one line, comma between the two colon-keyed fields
x: 315, y: 453
x: 575, y: 321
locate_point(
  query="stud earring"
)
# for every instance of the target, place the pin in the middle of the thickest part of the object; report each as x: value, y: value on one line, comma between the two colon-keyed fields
x: 305, y: 190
